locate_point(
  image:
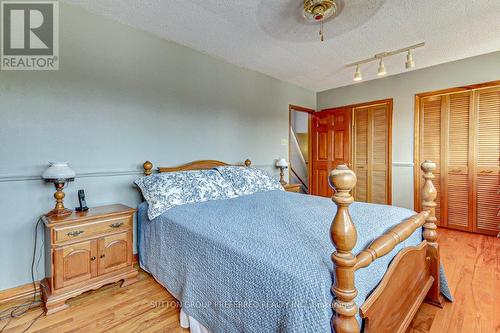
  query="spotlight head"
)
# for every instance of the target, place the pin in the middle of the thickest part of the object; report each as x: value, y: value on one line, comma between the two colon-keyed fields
x: 410, y: 63
x: 357, y: 74
x: 381, y: 68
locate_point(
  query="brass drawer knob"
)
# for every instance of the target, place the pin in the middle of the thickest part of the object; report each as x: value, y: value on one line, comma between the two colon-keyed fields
x: 92, y: 258
x: 116, y: 225
x: 75, y: 233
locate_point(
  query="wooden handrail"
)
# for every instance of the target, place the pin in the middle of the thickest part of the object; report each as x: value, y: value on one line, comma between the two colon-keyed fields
x: 343, y: 235
x: 300, y: 179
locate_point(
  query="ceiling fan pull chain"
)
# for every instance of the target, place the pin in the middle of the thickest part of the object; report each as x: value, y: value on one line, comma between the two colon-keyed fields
x: 321, y: 31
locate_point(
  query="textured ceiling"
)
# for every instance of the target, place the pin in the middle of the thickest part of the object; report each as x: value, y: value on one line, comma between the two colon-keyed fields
x: 268, y: 36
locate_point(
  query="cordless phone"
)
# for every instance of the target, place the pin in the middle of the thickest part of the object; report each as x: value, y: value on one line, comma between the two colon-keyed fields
x: 81, y: 199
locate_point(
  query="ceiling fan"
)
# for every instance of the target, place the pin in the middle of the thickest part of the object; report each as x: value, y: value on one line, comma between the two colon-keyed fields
x: 319, y: 11
x: 295, y: 20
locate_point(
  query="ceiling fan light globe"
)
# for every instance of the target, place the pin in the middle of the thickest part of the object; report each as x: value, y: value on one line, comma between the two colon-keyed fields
x: 319, y: 10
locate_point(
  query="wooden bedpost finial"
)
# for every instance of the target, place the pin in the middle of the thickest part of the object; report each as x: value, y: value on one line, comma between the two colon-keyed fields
x: 148, y: 168
x: 248, y: 162
x: 429, y: 195
x: 343, y: 235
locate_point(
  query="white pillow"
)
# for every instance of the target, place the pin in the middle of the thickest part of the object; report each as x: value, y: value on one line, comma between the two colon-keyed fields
x: 247, y: 180
x: 166, y: 190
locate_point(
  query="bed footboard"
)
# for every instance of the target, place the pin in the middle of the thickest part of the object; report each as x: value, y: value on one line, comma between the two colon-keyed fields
x: 393, y: 304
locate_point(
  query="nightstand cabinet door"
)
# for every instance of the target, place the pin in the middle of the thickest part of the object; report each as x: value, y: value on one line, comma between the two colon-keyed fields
x: 115, y: 252
x: 75, y: 263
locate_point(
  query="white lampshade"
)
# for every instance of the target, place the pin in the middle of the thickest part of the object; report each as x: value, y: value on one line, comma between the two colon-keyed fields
x: 59, y: 171
x: 281, y: 163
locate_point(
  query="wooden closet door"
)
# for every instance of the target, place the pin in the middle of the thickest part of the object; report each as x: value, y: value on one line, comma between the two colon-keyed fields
x: 321, y: 154
x: 488, y: 158
x: 380, y: 185
x: 430, y: 144
x: 341, y: 149
x: 360, y: 158
x: 456, y: 161
x: 330, y: 147
x: 372, y: 153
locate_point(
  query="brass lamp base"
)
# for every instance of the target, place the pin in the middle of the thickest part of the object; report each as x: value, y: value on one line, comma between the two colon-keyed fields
x: 59, y: 209
x: 58, y: 212
x: 282, y: 176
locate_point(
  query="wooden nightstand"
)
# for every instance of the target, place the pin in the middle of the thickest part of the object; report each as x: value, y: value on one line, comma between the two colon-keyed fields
x: 86, y: 250
x: 292, y: 187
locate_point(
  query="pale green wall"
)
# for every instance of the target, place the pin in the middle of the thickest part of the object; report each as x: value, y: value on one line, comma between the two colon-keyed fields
x: 121, y: 97
x: 402, y: 88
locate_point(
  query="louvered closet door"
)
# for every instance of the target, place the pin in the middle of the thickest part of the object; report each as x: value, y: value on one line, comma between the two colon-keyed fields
x: 379, y: 191
x: 361, y: 154
x: 430, y: 144
x: 488, y: 155
x: 456, y: 120
x: 371, y: 153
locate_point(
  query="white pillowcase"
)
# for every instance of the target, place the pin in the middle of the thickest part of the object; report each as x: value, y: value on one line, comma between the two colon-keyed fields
x: 247, y: 180
x: 166, y: 190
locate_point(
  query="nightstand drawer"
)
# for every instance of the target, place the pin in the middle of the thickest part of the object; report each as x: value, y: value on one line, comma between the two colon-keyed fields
x: 73, y: 232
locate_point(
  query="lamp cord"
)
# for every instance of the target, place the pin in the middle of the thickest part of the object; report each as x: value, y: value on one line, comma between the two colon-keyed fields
x: 21, y: 309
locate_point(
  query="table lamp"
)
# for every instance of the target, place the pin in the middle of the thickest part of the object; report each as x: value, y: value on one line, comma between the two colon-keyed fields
x: 59, y: 173
x: 282, y: 165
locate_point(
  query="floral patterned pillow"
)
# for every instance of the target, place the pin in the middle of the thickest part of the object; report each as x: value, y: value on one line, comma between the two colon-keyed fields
x: 247, y: 180
x: 166, y: 190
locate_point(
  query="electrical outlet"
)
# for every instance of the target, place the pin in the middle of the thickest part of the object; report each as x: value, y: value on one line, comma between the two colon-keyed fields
x: 284, y: 142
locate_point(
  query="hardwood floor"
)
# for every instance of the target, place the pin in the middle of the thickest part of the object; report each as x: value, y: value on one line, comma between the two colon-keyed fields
x: 472, y: 264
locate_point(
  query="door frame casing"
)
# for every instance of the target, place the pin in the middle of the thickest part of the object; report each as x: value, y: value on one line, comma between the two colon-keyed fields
x: 297, y: 108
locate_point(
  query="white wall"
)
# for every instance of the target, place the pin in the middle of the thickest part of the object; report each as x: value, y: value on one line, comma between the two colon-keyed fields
x: 402, y: 88
x: 300, y: 121
x: 121, y: 97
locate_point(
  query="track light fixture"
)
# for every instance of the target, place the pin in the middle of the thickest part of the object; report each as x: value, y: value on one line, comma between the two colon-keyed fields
x: 409, y: 63
x: 357, y: 74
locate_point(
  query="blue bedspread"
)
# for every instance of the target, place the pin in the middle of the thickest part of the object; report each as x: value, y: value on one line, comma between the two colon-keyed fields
x: 274, y: 245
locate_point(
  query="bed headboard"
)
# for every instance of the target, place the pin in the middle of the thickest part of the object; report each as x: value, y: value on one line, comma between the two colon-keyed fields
x: 195, y: 165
